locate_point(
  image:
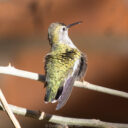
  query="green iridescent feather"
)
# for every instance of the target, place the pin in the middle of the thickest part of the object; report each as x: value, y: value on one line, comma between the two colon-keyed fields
x: 59, y: 63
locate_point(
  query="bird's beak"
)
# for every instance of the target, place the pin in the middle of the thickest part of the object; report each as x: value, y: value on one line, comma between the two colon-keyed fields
x: 70, y: 25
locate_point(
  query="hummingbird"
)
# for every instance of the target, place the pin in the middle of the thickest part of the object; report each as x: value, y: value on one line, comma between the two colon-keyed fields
x: 63, y: 65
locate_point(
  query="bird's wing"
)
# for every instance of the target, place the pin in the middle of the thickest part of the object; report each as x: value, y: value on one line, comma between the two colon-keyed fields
x: 67, y: 89
x: 82, y: 67
x: 68, y: 85
x: 78, y: 73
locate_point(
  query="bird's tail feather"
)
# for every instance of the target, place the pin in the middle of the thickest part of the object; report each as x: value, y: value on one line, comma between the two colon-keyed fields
x: 51, y: 97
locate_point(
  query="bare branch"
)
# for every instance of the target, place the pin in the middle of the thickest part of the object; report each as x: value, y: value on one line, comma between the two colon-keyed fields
x: 59, y: 119
x: 98, y: 88
x: 9, y: 111
x: 64, y: 120
x: 9, y: 70
x: 35, y: 76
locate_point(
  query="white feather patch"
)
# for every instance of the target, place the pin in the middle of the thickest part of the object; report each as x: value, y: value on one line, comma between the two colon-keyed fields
x: 54, y: 101
x: 75, y: 66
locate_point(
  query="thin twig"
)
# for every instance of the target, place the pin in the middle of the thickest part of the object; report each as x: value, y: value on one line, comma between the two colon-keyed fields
x: 98, y: 88
x: 38, y: 77
x: 64, y: 120
x: 9, y: 111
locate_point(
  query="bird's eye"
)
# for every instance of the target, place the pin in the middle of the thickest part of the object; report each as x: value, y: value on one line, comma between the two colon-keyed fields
x: 64, y: 29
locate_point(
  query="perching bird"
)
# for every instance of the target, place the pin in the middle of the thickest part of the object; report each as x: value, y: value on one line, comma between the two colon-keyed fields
x: 63, y: 65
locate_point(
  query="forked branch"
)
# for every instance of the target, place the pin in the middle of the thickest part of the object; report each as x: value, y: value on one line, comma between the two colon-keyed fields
x: 9, y: 70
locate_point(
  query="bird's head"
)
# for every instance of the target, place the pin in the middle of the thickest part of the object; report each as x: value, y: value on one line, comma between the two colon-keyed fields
x: 58, y: 33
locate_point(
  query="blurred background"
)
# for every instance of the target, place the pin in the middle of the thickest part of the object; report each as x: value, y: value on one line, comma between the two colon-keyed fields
x: 103, y: 36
